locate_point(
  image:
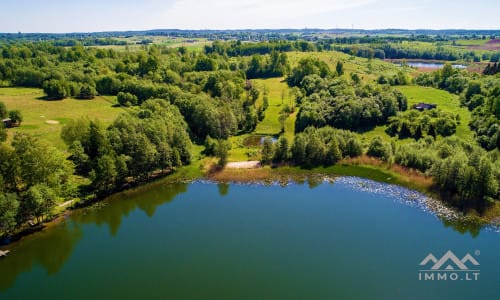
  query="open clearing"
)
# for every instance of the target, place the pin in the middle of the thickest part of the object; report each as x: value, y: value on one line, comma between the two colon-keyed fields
x: 45, y: 119
x: 279, y: 96
x: 445, y: 101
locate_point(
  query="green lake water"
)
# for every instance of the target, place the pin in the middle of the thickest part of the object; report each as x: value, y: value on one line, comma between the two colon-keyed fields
x: 350, y: 239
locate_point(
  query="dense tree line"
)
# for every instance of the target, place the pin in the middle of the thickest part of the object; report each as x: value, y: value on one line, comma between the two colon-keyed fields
x: 313, y: 147
x: 328, y: 100
x: 33, y: 176
x: 396, y: 51
x: 480, y: 94
x: 464, y: 174
x: 415, y: 124
x: 274, y: 65
x: 237, y: 48
x: 492, y: 69
x: 485, y: 107
x: 447, y: 78
x: 211, y: 91
x: 132, y: 148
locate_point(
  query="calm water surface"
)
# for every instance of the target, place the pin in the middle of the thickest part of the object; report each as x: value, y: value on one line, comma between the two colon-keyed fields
x: 431, y: 65
x: 351, y: 239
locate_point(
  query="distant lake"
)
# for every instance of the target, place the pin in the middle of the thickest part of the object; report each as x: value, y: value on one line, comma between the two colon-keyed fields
x: 430, y: 65
x: 347, y: 238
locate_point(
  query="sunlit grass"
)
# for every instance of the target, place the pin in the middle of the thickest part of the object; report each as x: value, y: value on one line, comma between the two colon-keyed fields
x: 445, y: 101
x: 39, y: 115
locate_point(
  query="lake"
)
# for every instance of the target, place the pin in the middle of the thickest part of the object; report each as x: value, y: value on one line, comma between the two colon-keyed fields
x: 346, y: 239
x: 430, y: 65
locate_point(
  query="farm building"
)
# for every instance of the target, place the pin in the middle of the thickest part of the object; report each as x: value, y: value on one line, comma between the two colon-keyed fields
x: 424, y: 106
x: 7, y: 123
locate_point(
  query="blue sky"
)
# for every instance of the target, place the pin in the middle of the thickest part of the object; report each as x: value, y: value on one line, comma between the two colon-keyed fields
x: 103, y: 15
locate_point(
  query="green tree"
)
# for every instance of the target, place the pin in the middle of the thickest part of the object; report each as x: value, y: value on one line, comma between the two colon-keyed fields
x: 353, y: 147
x: 35, y: 162
x: 265, y: 103
x: 3, y: 133
x: 222, y: 151
x: 79, y: 157
x: 104, y: 176
x: 76, y: 130
x: 299, y: 148
x: 281, y: 151
x: 378, y: 148
x: 418, y: 133
x: 9, y: 206
x: 333, y: 153
x: 3, y: 110
x: 432, y: 131
x: 355, y: 78
x: 87, y: 92
x: 16, y: 116
x: 339, y: 68
x: 55, y: 89
x: 488, y: 183
x: 473, y: 88
x: 39, y: 201
x: 446, y: 72
x: 126, y: 99
x: 267, y: 150
x: 315, y: 149
x: 404, y: 130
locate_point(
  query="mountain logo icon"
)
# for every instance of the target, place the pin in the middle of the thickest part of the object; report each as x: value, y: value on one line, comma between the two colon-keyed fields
x: 449, y: 261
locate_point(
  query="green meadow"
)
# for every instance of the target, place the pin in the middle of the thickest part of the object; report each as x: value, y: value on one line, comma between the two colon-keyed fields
x: 444, y: 100
x: 45, y: 119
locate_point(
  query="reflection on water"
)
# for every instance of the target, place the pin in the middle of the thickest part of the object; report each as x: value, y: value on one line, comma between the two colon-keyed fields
x: 111, y: 211
x: 430, y: 65
x: 463, y: 226
x: 223, y: 188
x: 269, y: 240
x: 51, y: 247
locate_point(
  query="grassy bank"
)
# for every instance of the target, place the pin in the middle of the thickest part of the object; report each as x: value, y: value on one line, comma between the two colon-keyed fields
x: 364, y: 167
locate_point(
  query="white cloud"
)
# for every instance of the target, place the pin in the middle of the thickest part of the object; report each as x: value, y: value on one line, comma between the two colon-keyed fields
x: 230, y: 14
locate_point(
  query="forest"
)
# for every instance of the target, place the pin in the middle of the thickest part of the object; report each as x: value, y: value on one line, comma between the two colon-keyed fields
x: 176, y: 99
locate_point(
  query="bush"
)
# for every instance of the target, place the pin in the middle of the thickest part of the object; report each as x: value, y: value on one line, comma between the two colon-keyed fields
x: 55, y: 89
x: 378, y: 148
x: 126, y: 99
x: 87, y: 92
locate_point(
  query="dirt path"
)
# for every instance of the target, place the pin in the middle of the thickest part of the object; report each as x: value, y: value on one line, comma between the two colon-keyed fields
x: 65, y: 203
x: 243, y: 164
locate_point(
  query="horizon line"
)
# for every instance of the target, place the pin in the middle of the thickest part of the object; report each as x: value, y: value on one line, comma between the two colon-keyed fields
x: 255, y: 29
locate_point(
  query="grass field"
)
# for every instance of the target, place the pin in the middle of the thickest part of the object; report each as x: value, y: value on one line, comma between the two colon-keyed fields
x: 195, y: 45
x: 45, y: 119
x: 278, y: 97
x: 277, y: 88
x: 471, y: 42
x: 445, y: 101
x: 367, y: 69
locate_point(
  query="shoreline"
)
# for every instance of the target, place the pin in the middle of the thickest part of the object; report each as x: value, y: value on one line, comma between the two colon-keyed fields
x: 361, y: 167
